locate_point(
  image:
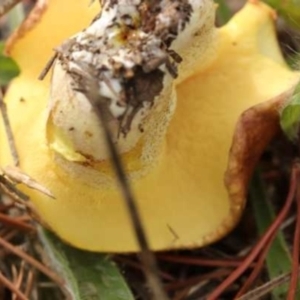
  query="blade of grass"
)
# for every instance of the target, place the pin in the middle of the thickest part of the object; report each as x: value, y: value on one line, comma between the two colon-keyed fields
x: 296, y: 247
x: 278, y: 260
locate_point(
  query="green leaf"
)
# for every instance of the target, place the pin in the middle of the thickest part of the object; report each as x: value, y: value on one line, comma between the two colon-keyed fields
x: 278, y: 259
x: 2, y: 46
x: 288, y: 9
x: 290, y: 116
x: 8, y: 68
x: 223, y: 12
x: 88, y: 275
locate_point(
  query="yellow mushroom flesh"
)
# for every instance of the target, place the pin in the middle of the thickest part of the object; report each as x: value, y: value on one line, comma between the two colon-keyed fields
x: 182, y: 198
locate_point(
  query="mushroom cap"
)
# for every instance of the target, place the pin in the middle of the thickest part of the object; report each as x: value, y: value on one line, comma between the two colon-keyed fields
x: 183, y: 200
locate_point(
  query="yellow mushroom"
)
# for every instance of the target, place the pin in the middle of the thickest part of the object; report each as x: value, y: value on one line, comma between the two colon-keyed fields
x: 191, y: 187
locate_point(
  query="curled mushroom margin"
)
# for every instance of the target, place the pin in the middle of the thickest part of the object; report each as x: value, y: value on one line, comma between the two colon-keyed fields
x: 255, y: 128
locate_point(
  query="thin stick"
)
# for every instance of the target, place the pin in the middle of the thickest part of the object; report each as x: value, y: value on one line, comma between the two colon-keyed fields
x: 194, y: 281
x: 49, y: 273
x: 256, y: 270
x: 48, y: 66
x: 7, y: 5
x: 29, y: 283
x: 18, y: 199
x: 16, y: 175
x: 182, y: 294
x: 146, y: 256
x: 12, y: 191
x: 12, y: 287
x: 8, y: 130
x: 19, y: 279
x: 9, y: 235
x: 139, y: 266
x: 16, y: 223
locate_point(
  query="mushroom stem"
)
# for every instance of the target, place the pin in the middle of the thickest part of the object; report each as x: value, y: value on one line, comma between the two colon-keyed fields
x: 133, y: 49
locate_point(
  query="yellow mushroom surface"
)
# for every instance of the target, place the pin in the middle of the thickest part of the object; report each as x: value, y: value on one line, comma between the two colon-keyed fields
x: 182, y: 198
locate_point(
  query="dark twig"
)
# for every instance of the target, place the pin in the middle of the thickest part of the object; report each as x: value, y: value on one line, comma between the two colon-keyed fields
x: 139, y: 266
x: 16, y: 222
x: 8, y: 130
x: 90, y: 90
x: 193, y: 281
x: 7, y: 5
x: 9, y: 235
x: 47, y: 67
x: 195, y: 261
